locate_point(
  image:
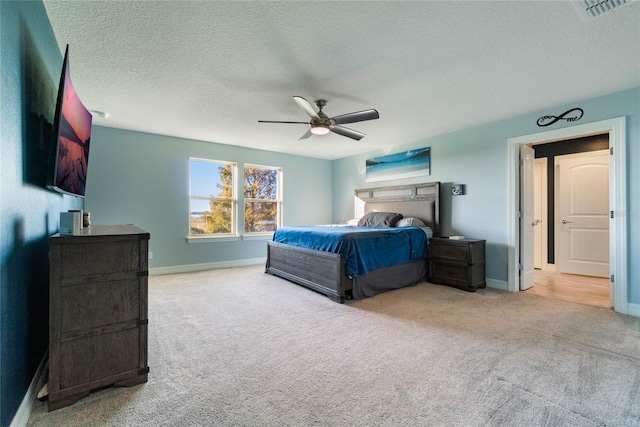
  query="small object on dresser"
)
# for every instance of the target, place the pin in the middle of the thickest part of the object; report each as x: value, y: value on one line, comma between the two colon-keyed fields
x: 456, y: 237
x: 70, y: 223
x: 78, y: 212
x: 86, y: 219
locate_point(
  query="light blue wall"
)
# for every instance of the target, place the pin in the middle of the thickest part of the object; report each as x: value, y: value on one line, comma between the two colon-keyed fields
x: 31, y: 66
x: 143, y: 179
x: 478, y: 158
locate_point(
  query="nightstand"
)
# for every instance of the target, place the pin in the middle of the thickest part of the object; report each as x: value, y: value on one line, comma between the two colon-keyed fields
x: 457, y: 262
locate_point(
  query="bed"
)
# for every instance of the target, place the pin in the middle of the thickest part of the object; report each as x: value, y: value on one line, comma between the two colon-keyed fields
x: 330, y: 273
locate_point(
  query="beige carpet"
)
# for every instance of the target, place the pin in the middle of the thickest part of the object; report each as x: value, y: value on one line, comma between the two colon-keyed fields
x: 237, y: 347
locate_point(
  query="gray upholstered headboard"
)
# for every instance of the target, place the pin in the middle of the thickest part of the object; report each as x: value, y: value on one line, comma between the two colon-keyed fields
x: 415, y: 200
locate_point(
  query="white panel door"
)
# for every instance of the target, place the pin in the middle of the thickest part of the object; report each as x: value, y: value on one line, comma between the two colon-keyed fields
x: 582, y: 213
x: 527, y: 221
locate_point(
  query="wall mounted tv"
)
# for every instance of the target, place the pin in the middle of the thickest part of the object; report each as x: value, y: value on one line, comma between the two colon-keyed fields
x: 72, y: 135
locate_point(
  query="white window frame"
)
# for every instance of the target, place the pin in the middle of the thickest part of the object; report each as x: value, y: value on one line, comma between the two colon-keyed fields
x: 249, y: 235
x: 218, y: 237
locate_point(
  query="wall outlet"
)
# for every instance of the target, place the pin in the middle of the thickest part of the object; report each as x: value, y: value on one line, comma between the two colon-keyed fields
x: 150, y: 254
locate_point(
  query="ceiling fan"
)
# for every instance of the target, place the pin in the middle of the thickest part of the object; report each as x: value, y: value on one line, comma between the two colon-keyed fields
x: 321, y: 124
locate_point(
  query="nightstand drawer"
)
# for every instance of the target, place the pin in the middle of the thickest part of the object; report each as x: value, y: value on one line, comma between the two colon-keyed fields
x: 453, y: 274
x: 466, y: 276
x: 459, y: 253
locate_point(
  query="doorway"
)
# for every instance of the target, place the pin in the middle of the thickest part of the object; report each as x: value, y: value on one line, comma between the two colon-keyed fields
x: 571, y: 220
x: 616, y: 130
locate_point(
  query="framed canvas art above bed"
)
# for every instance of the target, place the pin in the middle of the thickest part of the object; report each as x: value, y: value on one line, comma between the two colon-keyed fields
x: 407, y: 164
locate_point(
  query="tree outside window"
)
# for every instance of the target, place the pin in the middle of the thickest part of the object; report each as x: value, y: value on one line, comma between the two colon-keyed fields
x: 262, y: 198
x: 212, y: 199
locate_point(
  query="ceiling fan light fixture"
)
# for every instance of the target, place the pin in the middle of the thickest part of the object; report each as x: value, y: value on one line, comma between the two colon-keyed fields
x: 321, y: 124
x: 319, y: 129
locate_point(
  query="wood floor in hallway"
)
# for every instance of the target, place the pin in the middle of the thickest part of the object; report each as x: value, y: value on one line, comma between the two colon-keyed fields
x: 572, y: 287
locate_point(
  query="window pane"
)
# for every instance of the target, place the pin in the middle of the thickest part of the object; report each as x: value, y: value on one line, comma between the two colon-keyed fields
x: 260, y: 183
x: 260, y: 216
x: 210, y: 179
x: 210, y: 217
x: 199, y: 217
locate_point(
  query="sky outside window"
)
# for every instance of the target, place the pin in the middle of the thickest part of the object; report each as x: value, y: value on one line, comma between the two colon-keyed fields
x: 205, y: 177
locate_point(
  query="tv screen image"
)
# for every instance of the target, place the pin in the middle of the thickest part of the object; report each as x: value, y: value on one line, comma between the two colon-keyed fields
x: 72, y: 128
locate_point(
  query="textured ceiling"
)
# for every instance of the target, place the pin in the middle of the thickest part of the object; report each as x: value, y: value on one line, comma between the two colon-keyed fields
x: 210, y: 70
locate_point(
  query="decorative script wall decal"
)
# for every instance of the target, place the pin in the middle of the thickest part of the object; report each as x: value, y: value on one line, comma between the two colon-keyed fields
x: 549, y: 120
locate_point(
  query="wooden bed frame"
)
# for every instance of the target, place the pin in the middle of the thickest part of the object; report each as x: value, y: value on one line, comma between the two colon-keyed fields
x: 325, y: 271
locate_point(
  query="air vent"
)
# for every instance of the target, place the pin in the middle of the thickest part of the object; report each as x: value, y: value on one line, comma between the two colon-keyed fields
x: 594, y: 8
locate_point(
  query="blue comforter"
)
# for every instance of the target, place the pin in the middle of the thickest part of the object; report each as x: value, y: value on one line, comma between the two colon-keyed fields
x: 363, y: 248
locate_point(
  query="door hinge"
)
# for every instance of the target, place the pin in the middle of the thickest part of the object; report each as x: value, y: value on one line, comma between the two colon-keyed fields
x: 520, y: 266
x: 611, y: 151
x: 521, y: 162
x: 613, y: 278
x: 611, y: 214
x: 520, y: 214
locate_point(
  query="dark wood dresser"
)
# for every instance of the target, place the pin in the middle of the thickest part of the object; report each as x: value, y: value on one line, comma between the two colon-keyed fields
x: 97, y: 311
x: 457, y: 262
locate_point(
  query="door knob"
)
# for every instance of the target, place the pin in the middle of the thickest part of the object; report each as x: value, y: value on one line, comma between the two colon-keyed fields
x: 564, y: 221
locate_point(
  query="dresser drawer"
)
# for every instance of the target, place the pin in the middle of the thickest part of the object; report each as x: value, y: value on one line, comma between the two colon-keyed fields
x: 90, y: 305
x: 88, y: 259
x: 91, y: 358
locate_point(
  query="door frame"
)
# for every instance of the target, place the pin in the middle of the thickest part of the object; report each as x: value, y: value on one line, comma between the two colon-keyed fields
x: 616, y: 128
x: 544, y: 217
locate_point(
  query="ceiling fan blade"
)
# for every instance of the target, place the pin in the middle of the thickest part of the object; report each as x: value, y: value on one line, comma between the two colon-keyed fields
x: 358, y: 116
x: 278, y: 121
x: 304, y: 104
x: 306, y: 135
x: 349, y: 133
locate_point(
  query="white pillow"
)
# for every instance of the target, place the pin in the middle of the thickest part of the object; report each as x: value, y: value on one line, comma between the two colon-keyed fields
x: 353, y: 221
x: 428, y: 231
x: 410, y: 221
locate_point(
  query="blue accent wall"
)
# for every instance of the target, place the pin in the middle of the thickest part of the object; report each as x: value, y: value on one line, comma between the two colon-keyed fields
x: 478, y: 158
x: 29, y: 214
x: 143, y: 179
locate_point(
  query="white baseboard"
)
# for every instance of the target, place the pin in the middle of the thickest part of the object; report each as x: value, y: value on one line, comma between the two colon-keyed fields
x: 189, y: 268
x: 502, y: 285
x: 633, y: 309
x: 24, y: 410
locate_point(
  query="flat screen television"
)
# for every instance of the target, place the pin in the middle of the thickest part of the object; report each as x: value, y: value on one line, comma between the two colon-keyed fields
x: 71, y: 136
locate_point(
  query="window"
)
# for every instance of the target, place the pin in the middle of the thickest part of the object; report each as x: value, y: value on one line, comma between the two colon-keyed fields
x: 212, y: 198
x: 262, y: 199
